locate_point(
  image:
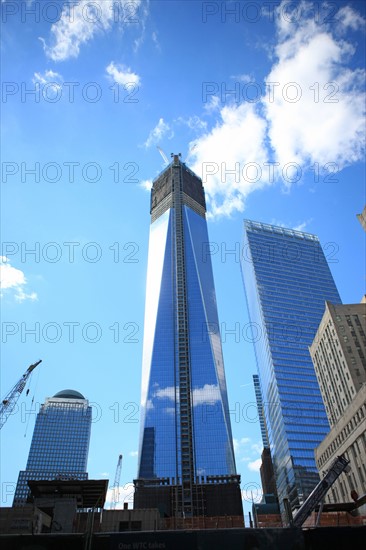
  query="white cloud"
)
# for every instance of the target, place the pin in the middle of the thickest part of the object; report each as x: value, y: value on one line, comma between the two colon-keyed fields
x: 166, y: 393
x: 209, y: 394
x: 125, y: 495
x: 243, y: 78
x: 238, y: 443
x: 236, y: 140
x: 252, y: 493
x: 122, y: 74
x: 161, y: 130
x: 10, y: 276
x: 326, y: 123
x: 146, y: 184
x: 143, y: 12
x: 193, y: 122
x: 257, y: 447
x: 212, y: 105
x: 255, y: 465
x: 133, y: 453
x: 21, y: 295
x: 154, y: 37
x: 300, y: 226
x: 13, y: 280
x: 28, y: 2
x: 48, y: 77
x: 348, y: 18
x: 247, y: 452
x: 79, y: 23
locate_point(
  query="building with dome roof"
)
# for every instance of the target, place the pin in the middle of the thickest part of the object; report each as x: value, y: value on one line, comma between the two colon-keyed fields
x: 60, y: 442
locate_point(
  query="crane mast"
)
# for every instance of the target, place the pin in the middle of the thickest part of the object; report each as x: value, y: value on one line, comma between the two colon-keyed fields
x: 10, y: 400
x: 115, y: 488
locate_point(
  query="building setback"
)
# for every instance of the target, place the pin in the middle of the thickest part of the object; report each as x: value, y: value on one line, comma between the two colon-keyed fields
x: 339, y: 356
x: 186, y: 456
x: 287, y: 280
x: 60, y: 442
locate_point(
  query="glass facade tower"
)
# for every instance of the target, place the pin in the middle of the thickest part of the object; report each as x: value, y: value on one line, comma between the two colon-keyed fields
x: 287, y: 281
x: 186, y: 438
x: 60, y: 442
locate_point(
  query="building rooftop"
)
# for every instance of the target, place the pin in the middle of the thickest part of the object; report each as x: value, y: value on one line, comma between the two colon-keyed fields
x: 69, y: 394
x: 89, y: 493
x: 259, y: 226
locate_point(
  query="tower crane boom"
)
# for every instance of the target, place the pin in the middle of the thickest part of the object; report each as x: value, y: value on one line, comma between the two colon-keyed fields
x: 10, y: 400
x: 115, y: 488
x: 165, y: 158
x: 339, y: 465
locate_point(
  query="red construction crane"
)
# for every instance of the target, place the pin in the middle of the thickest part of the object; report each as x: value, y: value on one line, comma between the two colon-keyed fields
x: 10, y: 400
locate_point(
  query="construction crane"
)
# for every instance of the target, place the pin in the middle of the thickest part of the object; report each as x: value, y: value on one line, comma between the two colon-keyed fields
x: 10, y: 400
x: 115, y: 488
x: 339, y: 465
x: 165, y: 158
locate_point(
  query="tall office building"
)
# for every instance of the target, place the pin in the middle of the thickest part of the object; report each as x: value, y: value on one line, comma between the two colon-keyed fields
x: 60, y: 442
x: 339, y: 356
x: 287, y: 280
x: 186, y: 456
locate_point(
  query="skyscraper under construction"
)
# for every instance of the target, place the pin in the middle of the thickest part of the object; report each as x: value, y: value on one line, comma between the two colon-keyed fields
x: 186, y: 457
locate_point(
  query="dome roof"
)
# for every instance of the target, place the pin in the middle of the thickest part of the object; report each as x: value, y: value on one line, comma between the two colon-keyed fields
x: 69, y: 394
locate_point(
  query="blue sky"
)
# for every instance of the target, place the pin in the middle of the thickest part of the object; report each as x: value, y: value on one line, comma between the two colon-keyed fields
x: 265, y: 103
